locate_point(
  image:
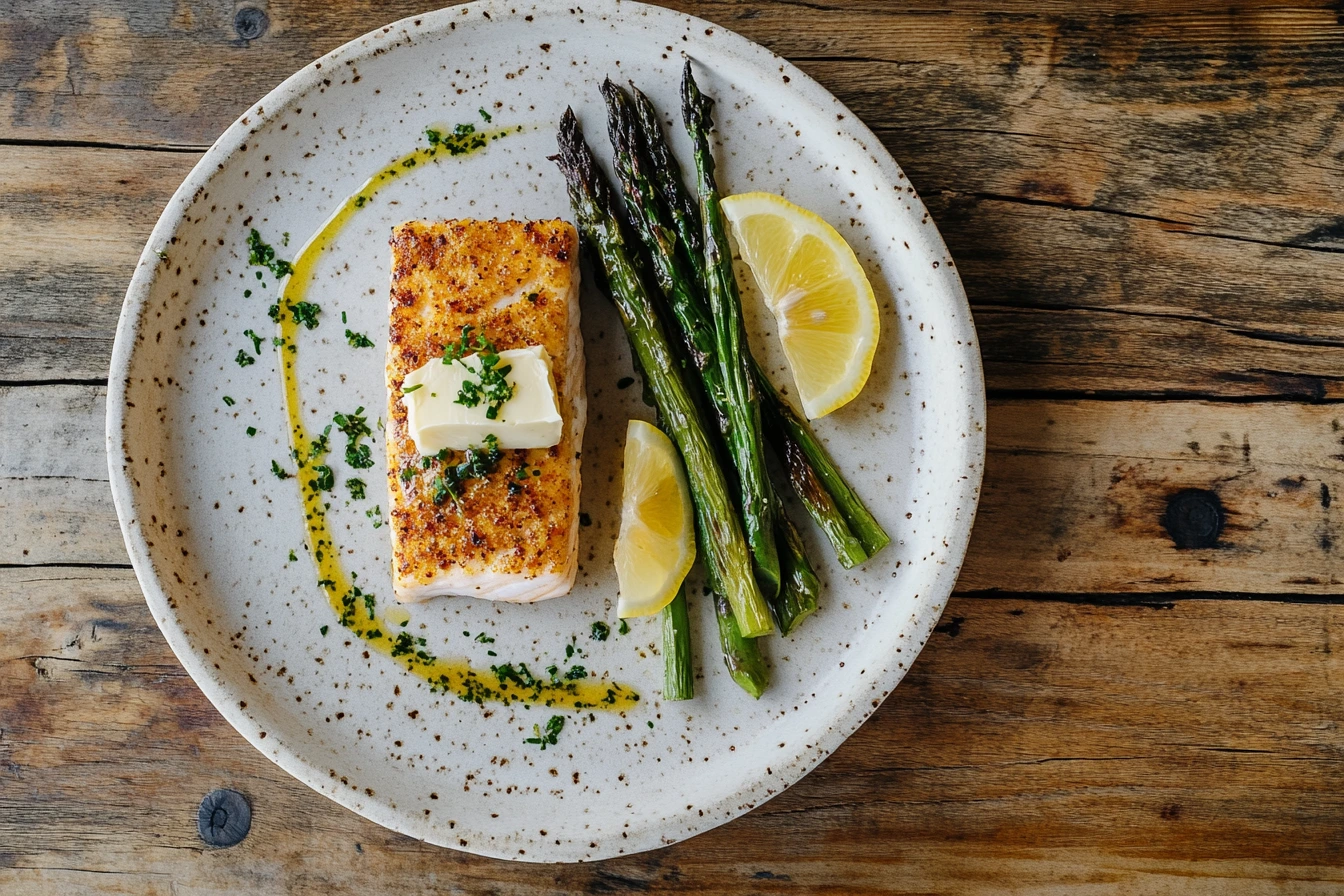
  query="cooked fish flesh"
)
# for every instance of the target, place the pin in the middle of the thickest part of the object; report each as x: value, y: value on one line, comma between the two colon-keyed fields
x: 511, y: 535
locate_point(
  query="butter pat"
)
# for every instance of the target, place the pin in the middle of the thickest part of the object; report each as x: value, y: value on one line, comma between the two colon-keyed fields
x: 530, y: 419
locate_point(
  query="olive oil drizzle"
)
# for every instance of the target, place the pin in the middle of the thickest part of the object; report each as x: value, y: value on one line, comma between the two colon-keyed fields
x: 357, y: 610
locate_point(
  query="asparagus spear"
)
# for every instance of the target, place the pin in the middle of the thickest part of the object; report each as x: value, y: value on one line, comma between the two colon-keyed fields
x: 838, y: 511
x: 741, y: 655
x: 725, y: 549
x: 634, y: 174
x: 817, y: 481
x: 797, y: 595
x: 683, y: 211
x: 678, y: 673
x: 799, y: 589
x: 742, y: 401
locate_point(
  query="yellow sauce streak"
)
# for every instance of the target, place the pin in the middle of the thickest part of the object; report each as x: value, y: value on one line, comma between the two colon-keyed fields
x: 382, y: 631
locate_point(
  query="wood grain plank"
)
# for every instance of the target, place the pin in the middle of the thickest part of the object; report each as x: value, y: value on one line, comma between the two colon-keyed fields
x: 59, y: 520
x: 73, y: 222
x: 53, y: 431
x: 53, y: 478
x: 1115, y: 765
x: 1144, y: 302
x: 1126, y: 354
x: 1076, y: 496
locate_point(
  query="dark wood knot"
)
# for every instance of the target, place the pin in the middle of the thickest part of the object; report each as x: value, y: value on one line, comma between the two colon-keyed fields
x: 224, y: 818
x: 951, y: 628
x: 1194, y: 518
x: 250, y: 23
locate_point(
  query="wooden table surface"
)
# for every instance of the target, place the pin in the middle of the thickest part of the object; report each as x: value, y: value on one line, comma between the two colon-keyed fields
x: 1137, y: 687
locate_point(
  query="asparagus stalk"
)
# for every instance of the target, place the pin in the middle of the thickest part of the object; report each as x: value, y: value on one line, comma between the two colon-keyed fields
x: 741, y: 655
x: 800, y: 588
x: 678, y: 285
x: 797, y: 595
x: 683, y: 211
x: 816, y: 480
x: 837, y: 510
x: 678, y: 673
x: 742, y: 401
x: 725, y: 550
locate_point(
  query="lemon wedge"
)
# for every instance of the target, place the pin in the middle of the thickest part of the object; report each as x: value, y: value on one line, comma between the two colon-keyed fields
x: 656, y: 544
x: 820, y: 297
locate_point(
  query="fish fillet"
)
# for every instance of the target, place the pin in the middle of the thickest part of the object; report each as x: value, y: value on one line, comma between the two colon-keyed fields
x: 506, y: 538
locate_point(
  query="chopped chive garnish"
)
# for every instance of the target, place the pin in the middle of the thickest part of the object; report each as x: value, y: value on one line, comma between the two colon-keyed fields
x: 554, y: 726
x: 305, y: 313
x: 494, y: 387
x: 326, y: 479
x: 262, y: 255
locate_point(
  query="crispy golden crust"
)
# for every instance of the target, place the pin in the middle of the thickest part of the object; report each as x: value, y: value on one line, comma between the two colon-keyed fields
x: 446, y: 275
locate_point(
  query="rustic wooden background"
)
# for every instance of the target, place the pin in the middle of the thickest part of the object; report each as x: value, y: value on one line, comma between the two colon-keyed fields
x: 1136, y: 689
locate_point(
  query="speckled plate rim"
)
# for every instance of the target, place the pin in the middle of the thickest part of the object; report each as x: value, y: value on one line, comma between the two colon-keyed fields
x: 970, y: 413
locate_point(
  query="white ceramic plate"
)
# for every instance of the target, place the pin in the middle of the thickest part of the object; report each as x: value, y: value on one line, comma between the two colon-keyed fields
x: 210, y: 529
